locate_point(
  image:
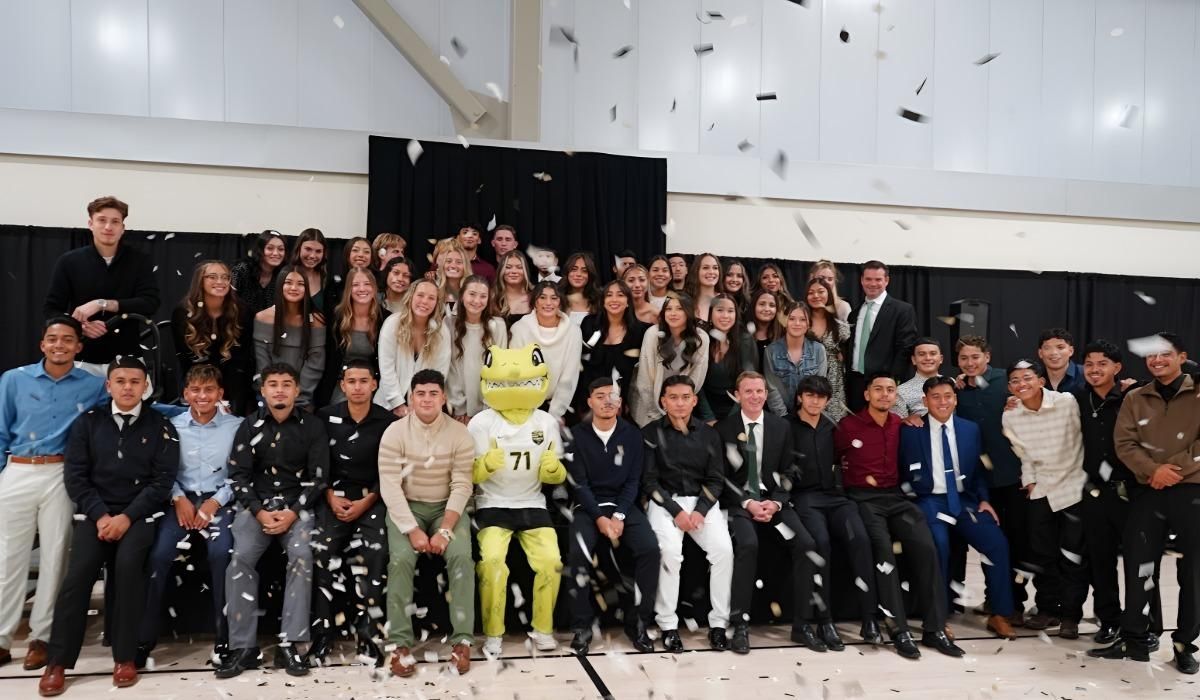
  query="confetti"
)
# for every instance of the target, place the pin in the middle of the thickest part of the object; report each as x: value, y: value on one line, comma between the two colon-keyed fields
x: 414, y: 151
x: 779, y: 165
x: 623, y: 51
x: 339, y: 22
x: 459, y: 47
x: 856, y: 443
x: 1116, y: 31
x: 544, y: 177
x: 912, y: 116
x: 1149, y: 345
x: 612, y: 113
x: 844, y: 36
x: 807, y: 231
x: 1146, y: 298
x: 1128, y: 116
x: 983, y: 61
x: 744, y: 145
x: 922, y: 85
x: 495, y: 90
x: 702, y: 49
x: 765, y: 96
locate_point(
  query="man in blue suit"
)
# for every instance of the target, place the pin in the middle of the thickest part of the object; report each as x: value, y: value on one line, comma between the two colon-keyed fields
x: 940, y: 462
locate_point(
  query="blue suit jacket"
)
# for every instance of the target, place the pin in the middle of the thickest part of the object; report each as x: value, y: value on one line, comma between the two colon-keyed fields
x: 915, y: 450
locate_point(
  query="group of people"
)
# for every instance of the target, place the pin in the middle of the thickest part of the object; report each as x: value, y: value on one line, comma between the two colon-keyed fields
x: 365, y: 420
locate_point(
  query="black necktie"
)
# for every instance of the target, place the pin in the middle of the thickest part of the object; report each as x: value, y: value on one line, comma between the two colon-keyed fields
x: 126, y: 419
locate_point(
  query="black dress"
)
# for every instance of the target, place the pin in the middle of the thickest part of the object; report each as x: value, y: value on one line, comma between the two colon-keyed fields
x: 235, y: 372
x: 253, y: 296
x: 599, y: 359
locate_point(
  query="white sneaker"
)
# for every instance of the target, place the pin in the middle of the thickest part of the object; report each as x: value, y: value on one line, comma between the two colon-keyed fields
x: 543, y: 641
x: 493, y: 646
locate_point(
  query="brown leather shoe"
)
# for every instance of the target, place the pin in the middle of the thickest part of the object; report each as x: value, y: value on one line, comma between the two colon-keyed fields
x: 999, y: 626
x: 1068, y: 629
x: 35, y: 656
x: 403, y: 663
x: 124, y: 674
x: 53, y: 682
x: 460, y: 656
x: 5, y: 656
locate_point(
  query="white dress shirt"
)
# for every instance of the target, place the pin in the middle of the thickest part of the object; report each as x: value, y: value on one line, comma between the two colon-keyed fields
x: 858, y: 327
x: 136, y: 412
x: 939, y: 461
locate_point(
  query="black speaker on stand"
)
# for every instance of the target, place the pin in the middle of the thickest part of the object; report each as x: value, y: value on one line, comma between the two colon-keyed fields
x: 971, y: 319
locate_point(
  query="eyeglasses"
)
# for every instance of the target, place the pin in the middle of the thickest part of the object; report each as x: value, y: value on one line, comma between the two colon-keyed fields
x: 214, y: 277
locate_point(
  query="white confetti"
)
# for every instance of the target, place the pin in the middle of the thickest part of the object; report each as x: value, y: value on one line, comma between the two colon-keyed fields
x: 495, y: 90
x: 947, y: 518
x: 339, y: 22
x: 786, y: 532
x: 414, y: 151
x: 1149, y: 300
x: 856, y: 443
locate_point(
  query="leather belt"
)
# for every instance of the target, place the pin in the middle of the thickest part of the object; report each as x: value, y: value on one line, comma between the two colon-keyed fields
x: 37, y: 459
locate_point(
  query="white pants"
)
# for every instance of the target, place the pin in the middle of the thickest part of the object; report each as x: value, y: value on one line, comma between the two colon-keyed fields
x: 713, y: 538
x: 33, y: 500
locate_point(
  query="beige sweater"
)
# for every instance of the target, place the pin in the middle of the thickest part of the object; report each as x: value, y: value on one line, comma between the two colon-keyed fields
x: 425, y: 463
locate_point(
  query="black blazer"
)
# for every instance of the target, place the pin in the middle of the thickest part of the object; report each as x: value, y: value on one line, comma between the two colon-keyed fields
x: 775, y: 470
x: 893, y: 332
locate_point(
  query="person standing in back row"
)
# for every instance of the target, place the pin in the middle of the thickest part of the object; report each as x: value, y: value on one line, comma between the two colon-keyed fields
x: 884, y: 329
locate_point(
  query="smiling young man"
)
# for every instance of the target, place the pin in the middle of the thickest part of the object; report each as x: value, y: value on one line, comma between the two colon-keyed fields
x: 469, y: 237
x: 120, y: 463
x: 1157, y: 436
x: 1044, y: 431
x: 910, y: 396
x: 38, y: 403
x: 1056, y: 348
x: 95, y: 283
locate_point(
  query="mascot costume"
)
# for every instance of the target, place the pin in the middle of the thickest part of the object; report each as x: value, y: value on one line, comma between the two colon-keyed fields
x: 517, y: 449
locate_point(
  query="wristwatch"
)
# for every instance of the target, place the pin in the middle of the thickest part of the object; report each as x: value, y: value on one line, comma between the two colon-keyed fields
x: 103, y: 304
x: 618, y: 516
x: 446, y: 533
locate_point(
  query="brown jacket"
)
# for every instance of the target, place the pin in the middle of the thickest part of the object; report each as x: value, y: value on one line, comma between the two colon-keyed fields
x: 1150, y: 431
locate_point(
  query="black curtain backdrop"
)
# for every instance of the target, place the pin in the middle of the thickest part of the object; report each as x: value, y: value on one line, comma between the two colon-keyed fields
x: 1022, y: 304
x: 592, y: 201
x: 1090, y: 306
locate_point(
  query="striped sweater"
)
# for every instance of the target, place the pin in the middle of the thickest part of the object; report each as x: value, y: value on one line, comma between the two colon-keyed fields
x: 1050, y: 445
x: 425, y: 463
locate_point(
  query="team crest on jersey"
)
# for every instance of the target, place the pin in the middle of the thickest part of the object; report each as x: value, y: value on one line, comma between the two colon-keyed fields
x: 538, y: 437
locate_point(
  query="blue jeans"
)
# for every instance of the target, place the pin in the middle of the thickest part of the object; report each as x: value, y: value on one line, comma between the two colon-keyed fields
x: 217, y: 543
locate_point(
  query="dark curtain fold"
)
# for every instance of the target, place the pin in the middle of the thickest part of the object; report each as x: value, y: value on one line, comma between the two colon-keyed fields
x: 1022, y: 304
x: 577, y: 201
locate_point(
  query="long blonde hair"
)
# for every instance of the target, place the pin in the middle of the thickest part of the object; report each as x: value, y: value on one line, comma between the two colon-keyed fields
x: 404, y: 317
x: 444, y: 246
x: 201, y: 330
x: 344, y: 313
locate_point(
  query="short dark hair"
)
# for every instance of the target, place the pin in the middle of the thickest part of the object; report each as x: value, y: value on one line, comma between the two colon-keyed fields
x: 428, y: 376
x: 879, y: 374
x: 127, y: 362
x: 676, y: 255
x: 1105, y: 348
x: 1174, y: 339
x: 505, y: 227
x: 468, y: 224
x: 974, y: 341
x: 814, y: 384
x: 940, y: 380
x: 1025, y: 363
x: 203, y: 372
x: 358, y: 363
x: 64, y: 320
x: 599, y: 383
x: 107, y: 202
x: 627, y: 253
x: 923, y: 341
x: 676, y: 380
x: 875, y: 265
x: 1060, y: 333
x: 279, y: 368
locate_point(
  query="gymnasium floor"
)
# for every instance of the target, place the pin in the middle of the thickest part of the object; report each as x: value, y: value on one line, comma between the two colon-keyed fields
x: 1034, y: 666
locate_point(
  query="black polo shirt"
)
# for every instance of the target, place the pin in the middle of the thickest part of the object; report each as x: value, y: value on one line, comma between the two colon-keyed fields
x: 354, y: 448
x: 279, y: 465
x: 1097, y: 418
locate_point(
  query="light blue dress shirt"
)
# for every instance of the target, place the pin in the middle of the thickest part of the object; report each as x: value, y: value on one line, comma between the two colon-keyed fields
x: 204, y: 455
x: 36, y: 410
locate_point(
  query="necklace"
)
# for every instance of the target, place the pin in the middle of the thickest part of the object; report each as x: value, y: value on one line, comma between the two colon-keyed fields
x: 1092, y: 403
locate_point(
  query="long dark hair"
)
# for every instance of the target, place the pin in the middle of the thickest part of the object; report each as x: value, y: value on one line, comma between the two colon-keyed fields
x: 628, y: 318
x: 732, y: 360
x: 590, y: 290
x: 307, y: 235
x: 784, y: 295
x: 775, y: 330
x: 742, y: 296
x: 460, y: 319
x: 306, y: 310
x: 690, y: 336
x: 691, y: 283
x: 347, y: 267
x: 201, y: 332
x: 258, y: 246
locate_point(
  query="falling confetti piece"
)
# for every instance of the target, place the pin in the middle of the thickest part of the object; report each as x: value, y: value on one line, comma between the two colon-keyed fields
x: 414, y: 151
x: 986, y: 59
x: 459, y: 47
x: 702, y: 49
x: 612, y: 113
x: 765, y: 96
x: 1149, y: 300
x: 1128, y: 116
x: 560, y: 34
x: 492, y: 223
x: 903, y: 225
x: 495, y: 90
x: 339, y: 22
x: 1149, y: 345
x: 844, y: 36
x: 623, y: 51
x: 856, y: 443
x: 544, y: 177
x: 780, y: 164
x: 1117, y: 31
x: 922, y: 85
x: 744, y: 145
x: 912, y: 116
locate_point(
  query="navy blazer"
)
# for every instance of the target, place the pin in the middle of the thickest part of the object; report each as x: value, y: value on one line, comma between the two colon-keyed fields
x: 915, y: 450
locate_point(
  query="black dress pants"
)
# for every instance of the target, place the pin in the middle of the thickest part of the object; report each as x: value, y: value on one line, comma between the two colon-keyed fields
x: 639, y: 538
x: 745, y: 533
x: 1105, y: 516
x: 125, y: 560
x: 828, y: 517
x: 360, y: 549
x: 1154, y: 512
x: 892, y: 519
x: 1056, y: 541
x: 1012, y: 506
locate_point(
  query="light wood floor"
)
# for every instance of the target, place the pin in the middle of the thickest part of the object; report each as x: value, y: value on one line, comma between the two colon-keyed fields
x: 1035, y: 666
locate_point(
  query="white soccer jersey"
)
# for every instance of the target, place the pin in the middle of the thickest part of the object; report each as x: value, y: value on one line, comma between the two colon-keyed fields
x: 517, y: 484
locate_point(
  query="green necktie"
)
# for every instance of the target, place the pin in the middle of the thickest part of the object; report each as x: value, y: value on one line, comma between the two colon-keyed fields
x: 752, y: 487
x: 868, y: 321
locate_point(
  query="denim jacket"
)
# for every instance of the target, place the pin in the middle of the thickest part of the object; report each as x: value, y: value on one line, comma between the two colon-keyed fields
x: 783, y: 376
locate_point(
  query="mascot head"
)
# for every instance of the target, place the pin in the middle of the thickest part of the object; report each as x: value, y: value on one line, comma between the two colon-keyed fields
x: 514, y: 381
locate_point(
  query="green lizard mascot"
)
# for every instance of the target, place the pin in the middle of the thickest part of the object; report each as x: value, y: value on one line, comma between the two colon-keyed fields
x: 517, y: 449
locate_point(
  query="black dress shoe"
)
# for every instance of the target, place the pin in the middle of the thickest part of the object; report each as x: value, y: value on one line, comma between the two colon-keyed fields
x: 582, y: 641
x: 804, y: 635
x: 741, y: 640
x: 368, y: 648
x: 290, y: 660
x: 1151, y: 642
x: 1185, y: 658
x: 905, y: 646
x: 1107, y: 634
x: 317, y: 651
x: 238, y: 660
x: 870, y: 632
x: 672, y: 642
x: 141, y: 656
x: 1122, y: 649
x: 717, y: 639
x: 220, y: 652
x: 938, y: 640
x: 830, y: 636
x: 638, y: 636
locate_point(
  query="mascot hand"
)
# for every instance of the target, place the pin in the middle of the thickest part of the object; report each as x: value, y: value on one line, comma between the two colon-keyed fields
x: 489, y: 462
x: 551, y: 469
